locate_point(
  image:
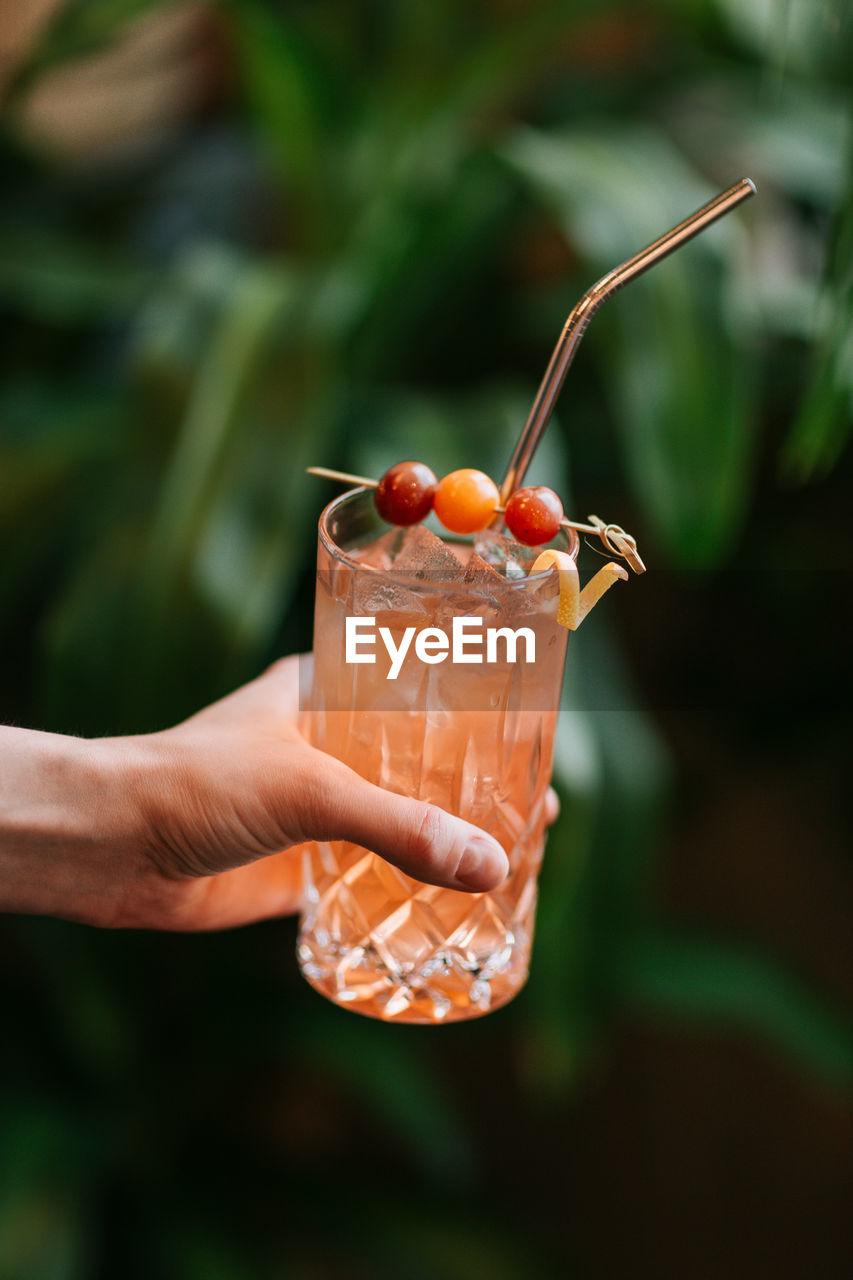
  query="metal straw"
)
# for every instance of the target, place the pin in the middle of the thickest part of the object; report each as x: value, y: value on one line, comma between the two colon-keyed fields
x: 582, y: 313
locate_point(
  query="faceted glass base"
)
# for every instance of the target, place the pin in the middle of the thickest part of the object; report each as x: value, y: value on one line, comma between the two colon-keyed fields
x: 381, y: 944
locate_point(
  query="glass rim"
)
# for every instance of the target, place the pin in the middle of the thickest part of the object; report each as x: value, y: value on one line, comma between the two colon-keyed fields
x: 338, y: 553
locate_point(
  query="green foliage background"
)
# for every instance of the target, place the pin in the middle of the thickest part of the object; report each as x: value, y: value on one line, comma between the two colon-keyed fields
x: 363, y: 249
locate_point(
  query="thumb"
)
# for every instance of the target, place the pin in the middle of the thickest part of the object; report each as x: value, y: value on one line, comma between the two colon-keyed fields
x: 424, y: 841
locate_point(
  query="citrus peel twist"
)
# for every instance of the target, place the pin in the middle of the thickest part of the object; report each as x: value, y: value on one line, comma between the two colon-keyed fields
x: 574, y: 604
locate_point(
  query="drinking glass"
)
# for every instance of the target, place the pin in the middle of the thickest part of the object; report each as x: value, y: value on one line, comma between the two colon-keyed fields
x: 475, y: 739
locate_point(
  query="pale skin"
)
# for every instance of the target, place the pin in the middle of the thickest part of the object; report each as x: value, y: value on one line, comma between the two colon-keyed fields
x: 194, y: 827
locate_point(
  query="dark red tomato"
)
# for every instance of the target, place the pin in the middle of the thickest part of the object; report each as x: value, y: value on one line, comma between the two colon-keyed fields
x: 405, y: 493
x: 533, y: 515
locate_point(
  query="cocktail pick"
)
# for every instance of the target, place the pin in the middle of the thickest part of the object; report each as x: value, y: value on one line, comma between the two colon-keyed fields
x: 579, y: 318
x: 614, y: 537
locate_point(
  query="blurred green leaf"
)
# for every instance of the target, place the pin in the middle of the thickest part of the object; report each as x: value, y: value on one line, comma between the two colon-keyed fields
x: 395, y: 1081
x: 214, y: 416
x: 43, y: 1214
x: 449, y: 432
x: 699, y: 979
x: 283, y: 81
x: 798, y: 35
x: 823, y: 423
x: 65, y: 281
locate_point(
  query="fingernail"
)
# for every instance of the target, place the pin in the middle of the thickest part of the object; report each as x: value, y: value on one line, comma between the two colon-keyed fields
x: 483, y: 865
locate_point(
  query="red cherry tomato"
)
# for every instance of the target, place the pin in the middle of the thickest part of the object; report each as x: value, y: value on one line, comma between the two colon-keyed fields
x: 465, y: 501
x: 533, y: 515
x: 405, y: 493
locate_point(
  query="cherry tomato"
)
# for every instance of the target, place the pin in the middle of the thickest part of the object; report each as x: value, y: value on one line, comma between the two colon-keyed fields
x: 465, y: 501
x: 405, y: 493
x: 533, y: 515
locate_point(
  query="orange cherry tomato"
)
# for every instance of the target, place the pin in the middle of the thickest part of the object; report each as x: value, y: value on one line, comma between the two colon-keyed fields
x: 465, y: 501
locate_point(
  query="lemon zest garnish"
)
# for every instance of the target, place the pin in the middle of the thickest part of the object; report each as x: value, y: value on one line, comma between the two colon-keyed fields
x: 568, y: 604
x: 574, y: 604
x: 596, y: 587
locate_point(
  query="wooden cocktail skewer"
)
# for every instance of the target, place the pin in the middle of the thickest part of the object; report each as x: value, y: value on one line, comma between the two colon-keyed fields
x: 613, y: 536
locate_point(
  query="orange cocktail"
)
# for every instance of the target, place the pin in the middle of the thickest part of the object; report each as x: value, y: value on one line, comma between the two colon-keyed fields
x: 475, y: 738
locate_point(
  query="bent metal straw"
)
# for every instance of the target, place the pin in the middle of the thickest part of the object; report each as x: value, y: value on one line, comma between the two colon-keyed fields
x: 615, y: 539
x: 579, y: 318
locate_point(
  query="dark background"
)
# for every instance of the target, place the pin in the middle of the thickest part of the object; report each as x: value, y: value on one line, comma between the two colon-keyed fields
x: 239, y: 238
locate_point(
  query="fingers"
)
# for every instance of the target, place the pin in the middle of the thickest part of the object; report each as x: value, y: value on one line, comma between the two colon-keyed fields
x: 263, y: 889
x: 422, y: 840
x: 270, y: 887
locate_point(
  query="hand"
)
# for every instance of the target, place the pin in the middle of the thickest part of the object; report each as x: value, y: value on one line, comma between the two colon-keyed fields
x: 185, y: 829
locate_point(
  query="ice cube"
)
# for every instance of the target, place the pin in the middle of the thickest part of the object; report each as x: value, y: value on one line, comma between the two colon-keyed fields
x: 486, y: 588
x: 379, y: 554
x: 503, y: 553
x: 424, y: 555
x: 479, y: 573
x: 376, y: 597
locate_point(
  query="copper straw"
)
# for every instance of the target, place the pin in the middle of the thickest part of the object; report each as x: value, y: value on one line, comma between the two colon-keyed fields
x: 582, y: 313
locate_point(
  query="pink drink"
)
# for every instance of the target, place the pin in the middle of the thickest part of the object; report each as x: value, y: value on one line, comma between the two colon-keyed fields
x: 475, y: 739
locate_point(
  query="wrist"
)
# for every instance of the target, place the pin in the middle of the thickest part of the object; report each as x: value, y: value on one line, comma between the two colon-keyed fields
x: 70, y: 824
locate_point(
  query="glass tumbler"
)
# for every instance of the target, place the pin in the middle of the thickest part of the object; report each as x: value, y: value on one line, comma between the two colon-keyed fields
x: 474, y: 738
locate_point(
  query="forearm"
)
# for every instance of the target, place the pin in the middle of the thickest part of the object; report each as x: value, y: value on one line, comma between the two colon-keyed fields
x: 181, y: 829
x: 70, y: 826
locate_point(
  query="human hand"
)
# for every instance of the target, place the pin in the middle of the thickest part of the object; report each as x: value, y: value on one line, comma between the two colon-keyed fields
x: 194, y: 827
